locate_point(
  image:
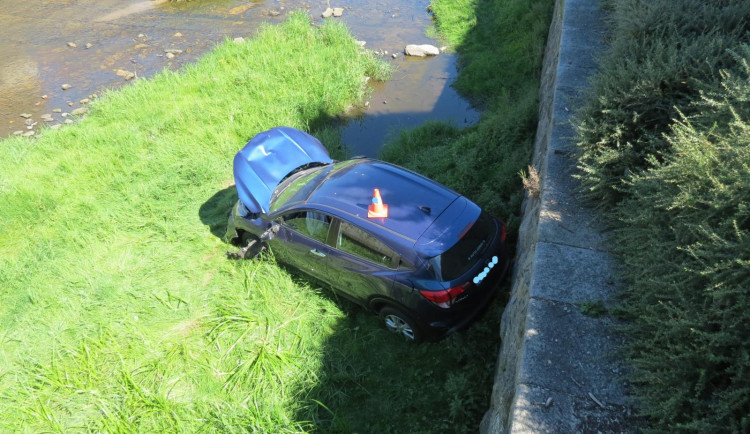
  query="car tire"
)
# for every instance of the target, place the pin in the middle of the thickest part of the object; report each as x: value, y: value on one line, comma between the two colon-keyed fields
x: 400, y: 323
x: 247, y: 238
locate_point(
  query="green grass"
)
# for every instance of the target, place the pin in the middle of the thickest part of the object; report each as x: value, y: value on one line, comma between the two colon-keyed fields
x: 118, y: 310
x: 500, y: 48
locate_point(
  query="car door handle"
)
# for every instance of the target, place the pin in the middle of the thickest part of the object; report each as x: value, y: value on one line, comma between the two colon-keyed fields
x: 318, y: 253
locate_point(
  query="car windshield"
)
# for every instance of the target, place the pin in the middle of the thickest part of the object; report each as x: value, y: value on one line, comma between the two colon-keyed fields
x: 457, y: 260
x: 292, y: 186
x: 298, y: 186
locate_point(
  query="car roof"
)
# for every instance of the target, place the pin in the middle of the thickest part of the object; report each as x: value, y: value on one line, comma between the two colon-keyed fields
x: 268, y: 158
x: 427, y: 215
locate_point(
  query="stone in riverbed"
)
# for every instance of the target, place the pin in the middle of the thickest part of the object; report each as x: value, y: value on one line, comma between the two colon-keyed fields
x: 79, y: 111
x: 337, y: 12
x: 328, y: 13
x: 25, y: 115
x: 66, y: 86
x: 127, y: 75
x: 421, y: 50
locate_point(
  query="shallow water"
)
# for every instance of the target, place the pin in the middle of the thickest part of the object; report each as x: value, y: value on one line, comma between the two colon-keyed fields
x: 36, y: 58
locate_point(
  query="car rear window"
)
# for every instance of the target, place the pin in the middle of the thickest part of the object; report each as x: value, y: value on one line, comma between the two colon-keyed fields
x: 457, y: 260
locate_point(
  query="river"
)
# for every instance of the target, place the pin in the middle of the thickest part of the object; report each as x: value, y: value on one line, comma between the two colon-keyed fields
x: 89, y: 45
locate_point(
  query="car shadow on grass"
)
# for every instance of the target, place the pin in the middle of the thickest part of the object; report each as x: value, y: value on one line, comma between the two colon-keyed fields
x: 215, y: 211
x: 371, y: 380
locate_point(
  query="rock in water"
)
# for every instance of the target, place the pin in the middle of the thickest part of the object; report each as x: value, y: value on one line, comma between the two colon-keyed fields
x: 421, y: 50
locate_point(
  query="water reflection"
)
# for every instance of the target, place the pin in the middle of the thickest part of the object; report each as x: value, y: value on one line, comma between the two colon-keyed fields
x: 419, y: 91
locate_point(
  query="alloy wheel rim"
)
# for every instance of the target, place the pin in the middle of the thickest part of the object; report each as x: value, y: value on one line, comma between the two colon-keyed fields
x: 397, y: 324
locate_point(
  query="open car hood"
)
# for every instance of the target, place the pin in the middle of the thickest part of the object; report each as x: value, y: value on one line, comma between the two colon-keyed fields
x: 268, y: 158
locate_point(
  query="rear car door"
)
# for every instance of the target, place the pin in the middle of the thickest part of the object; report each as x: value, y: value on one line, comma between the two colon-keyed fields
x: 361, y: 264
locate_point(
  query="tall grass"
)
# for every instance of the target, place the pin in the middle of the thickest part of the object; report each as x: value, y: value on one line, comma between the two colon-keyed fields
x: 118, y: 310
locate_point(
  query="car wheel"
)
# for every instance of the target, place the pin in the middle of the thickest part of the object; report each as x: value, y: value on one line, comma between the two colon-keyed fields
x: 400, y: 323
x: 251, y: 245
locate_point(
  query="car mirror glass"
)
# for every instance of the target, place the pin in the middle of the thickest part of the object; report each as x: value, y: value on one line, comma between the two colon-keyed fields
x: 271, y: 232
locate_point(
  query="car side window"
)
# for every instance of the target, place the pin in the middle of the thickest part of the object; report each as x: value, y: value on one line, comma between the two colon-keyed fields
x: 309, y: 223
x: 357, y: 242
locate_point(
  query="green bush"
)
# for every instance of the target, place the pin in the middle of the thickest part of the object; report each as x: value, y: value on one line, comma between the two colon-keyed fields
x: 686, y: 247
x: 660, y: 58
x: 664, y: 145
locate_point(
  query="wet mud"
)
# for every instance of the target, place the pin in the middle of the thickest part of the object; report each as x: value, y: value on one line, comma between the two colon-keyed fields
x: 93, y: 45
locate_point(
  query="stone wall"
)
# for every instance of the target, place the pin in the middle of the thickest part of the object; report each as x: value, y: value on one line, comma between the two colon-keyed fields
x: 514, y: 316
x: 558, y: 369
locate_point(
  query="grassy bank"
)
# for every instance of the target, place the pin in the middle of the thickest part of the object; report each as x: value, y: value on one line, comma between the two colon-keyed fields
x: 664, y: 147
x: 118, y: 310
x: 500, y: 45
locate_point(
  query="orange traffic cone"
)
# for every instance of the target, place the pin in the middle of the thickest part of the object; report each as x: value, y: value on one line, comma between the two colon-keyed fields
x: 377, y: 208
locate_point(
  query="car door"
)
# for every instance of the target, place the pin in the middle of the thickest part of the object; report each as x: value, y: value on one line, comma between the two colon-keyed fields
x: 301, y: 242
x: 361, y: 265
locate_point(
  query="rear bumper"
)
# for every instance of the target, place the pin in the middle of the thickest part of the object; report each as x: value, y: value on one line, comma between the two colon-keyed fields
x: 454, y: 321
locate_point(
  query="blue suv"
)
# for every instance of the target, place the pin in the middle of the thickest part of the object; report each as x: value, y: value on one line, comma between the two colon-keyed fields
x: 421, y: 256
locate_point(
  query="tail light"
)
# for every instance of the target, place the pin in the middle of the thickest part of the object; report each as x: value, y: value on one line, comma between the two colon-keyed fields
x: 503, y: 232
x: 447, y: 297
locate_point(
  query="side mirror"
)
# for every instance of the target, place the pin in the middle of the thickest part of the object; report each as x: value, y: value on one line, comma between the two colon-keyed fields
x: 270, y: 233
